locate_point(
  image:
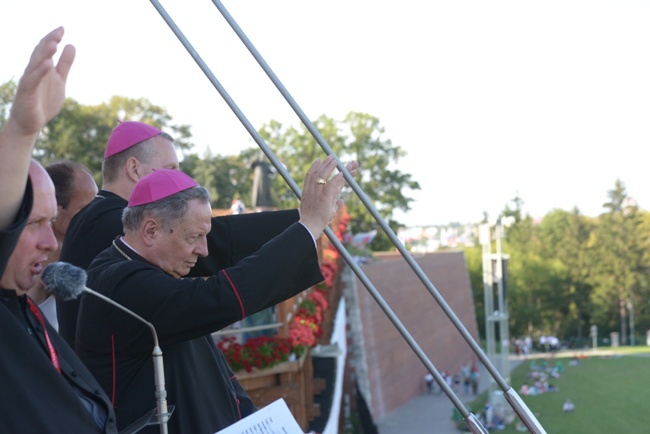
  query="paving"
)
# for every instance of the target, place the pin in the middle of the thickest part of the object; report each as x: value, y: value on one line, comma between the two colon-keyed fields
x: 430, y: 413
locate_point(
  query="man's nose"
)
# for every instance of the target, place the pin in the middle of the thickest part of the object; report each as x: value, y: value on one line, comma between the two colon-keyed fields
x: 202, y: 248
x: 48, y: 241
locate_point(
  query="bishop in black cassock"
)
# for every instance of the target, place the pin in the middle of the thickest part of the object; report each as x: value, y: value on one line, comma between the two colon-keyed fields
x: 117, y: 348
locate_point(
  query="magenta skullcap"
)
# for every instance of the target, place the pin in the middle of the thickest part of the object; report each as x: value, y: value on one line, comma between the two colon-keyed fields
x: 160, y: 184
x: 128, y: 134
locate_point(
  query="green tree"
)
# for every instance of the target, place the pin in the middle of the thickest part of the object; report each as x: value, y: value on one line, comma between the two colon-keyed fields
x: 567, y: 241
x: 533, y: 282
x: 641, y: 294
x: 474, y: 261
x: 621, y: 256
x: 515, y: 213
x: 7, y: 92
x: 359, y: 137
x: 226, y: 177
x: 79, y: 132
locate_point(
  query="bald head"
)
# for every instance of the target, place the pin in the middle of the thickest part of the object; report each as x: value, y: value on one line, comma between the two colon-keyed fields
x: 43, y: 187
x: 37, y: 240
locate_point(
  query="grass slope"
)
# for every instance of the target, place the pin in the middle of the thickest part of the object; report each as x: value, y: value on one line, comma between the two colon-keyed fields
x: 611, y: 395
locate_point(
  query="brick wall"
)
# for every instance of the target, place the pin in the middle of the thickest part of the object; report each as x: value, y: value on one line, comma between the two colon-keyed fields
x: 392, y: 373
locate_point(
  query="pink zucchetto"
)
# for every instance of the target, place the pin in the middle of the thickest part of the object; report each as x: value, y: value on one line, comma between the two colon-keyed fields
x: 160, y: 184
x: 128, y: 134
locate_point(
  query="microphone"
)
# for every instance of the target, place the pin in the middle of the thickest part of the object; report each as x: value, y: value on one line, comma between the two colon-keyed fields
x: 67, y: 282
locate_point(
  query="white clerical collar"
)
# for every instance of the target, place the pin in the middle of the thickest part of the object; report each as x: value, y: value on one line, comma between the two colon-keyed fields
x: 127, y: 245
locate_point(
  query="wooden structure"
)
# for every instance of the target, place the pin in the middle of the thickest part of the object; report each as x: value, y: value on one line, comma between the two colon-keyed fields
x: 292, y: 381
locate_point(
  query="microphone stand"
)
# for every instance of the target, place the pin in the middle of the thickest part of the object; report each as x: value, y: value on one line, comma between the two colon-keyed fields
x: 162, y: 414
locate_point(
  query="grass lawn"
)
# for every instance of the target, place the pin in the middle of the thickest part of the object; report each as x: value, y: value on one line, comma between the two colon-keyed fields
x: 611, y: 394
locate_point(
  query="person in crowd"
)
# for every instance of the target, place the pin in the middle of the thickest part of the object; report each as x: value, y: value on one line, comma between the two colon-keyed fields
x: 39, y: 97
x: 517, y: 343
x: 45, y: 387
x: 166, y: 225
x: 527, y: 345
x: 476, y: 377
x: 74, y: 187
x: 543, y: 343
x: 568, y: 406
x: 467, y: 384
x: 237, y: 207
x: 449, y: 379
x: 428, y: 379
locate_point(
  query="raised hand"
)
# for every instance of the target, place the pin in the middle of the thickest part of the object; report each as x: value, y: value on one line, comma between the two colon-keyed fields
x: 41, y: 89
x: 320, y: 194
x: 39, y: 97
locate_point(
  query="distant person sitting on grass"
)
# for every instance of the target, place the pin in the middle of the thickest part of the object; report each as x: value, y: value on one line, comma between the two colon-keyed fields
x: 491, y: 420
x: 575, y: 361
x: 524, y: 390
x: 568, y: 406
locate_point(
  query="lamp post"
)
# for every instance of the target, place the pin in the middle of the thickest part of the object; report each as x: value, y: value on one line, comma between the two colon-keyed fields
x: 496, y: 306
x: 593, y: 331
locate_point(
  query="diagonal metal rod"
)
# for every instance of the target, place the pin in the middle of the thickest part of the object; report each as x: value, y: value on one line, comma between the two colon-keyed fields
x: 362, y: 196
x: 469, y: 418
x: 527, y: 417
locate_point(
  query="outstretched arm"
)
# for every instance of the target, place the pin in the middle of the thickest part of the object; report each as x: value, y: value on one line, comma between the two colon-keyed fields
x: 39, y: 97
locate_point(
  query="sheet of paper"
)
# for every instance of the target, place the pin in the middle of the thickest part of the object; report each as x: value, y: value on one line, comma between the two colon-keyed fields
x: 275, y: 418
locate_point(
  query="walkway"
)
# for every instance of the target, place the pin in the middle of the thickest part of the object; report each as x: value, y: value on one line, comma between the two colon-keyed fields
x: 430, y: 414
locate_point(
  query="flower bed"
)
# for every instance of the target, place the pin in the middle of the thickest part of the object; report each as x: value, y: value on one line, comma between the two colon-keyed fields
x: 260, y: 352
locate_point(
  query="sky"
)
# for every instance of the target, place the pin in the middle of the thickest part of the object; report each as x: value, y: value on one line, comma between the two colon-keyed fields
x: 548, y: 101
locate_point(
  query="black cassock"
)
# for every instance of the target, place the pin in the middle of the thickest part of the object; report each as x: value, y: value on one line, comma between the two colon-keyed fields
x: 34, y: 397
x: 94, y: 228
x: 118, y: 349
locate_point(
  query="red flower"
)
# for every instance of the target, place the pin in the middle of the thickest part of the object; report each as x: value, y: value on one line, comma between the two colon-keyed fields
x: 329, y: 271
x: 260, y: 352
x: 319, y: 299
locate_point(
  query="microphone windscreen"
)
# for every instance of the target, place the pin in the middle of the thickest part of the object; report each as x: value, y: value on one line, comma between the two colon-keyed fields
x: 64, y: 280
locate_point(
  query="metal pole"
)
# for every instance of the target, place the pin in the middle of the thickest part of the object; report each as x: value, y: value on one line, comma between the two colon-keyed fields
x: 504, y: 332
x: 362, y: 196
x: 485, y: 238
x: 328, y: 232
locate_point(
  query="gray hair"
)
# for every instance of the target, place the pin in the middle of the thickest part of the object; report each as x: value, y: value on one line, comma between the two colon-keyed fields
x: 168, y: 211
x: 143, y: 151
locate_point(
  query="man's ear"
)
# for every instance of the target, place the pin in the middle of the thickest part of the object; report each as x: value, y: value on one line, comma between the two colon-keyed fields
x: 133, y: 169
x: 149, y: 231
